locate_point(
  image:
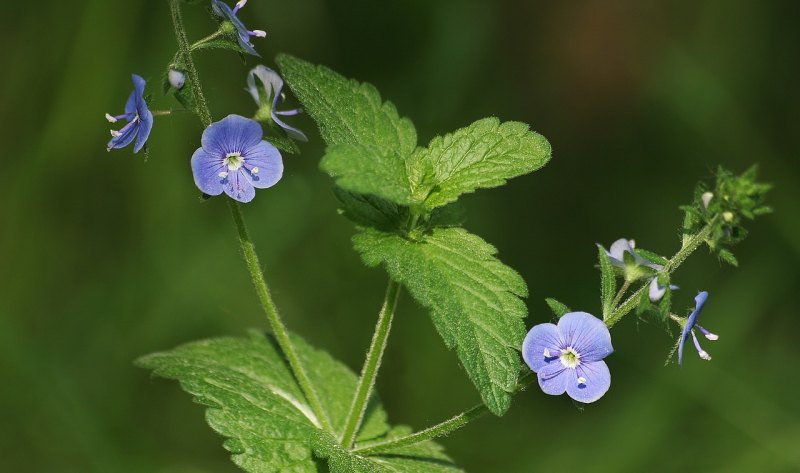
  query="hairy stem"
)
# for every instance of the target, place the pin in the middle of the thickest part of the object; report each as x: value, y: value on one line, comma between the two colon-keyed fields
x: 625, y: 286
x: 248, y: 249
x: 441, y: 429
x: 371, y: 365
x: 687, y: 249
x: 186, y: 50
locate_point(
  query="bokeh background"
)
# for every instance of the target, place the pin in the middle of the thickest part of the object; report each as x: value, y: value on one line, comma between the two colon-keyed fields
x: 105, y: 257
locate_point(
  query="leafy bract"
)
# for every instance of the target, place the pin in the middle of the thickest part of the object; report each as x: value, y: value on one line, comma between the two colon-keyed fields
x: 254, y: 401
x: 474, y: 300
x: 608, y: 281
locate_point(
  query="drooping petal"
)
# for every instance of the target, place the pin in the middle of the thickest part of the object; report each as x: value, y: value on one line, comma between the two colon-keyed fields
x: 125, y: 136
x: 145, y: 127
x: 293, y: 132
x: 656, y: 291
x: 130, y: 106
x: 267, y: 159
x: 596, y: 381
x: 587, y: 334
x: 540, y: 338
x: 238, y: 186
x: 554, y: 377
x: 232, y: 134
x: 700, y: 301
x: 206, y: 169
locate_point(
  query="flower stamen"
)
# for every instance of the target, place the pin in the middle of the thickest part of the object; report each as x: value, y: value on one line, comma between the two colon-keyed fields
x: 234, y: 161
x: 703, y: 354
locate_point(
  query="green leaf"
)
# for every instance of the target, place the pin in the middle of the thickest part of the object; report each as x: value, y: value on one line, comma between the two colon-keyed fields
x: 558, y: 308
x: 608, y: 281
x: 474, y: 300
x: 255, y: 403
x: 368, y: 170
x: 346, y: 111
x: 371, y: 211
x: 283, y: 143
x: 728, y: 257
x: 485, y: 154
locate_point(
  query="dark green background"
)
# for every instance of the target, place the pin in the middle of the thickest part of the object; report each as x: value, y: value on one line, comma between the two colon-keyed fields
x: 105, y: 257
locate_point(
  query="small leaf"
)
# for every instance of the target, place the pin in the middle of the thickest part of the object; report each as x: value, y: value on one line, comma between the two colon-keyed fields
x: 483, y: 155
x: 474, y: 300
x: 371, y: 211
x: 644, y: 303
x: 651, y: 256
x: 608, y: 281
x: 728, y: 257
x: 346, y: 111
x: 254, y: 401
x: 283, y: 143
x: 558, y: 308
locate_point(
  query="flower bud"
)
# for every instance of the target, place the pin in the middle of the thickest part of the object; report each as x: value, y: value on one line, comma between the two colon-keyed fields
x: 176, y: 78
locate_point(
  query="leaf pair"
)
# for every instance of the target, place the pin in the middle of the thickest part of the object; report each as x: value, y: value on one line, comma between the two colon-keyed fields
x: 400, y: 195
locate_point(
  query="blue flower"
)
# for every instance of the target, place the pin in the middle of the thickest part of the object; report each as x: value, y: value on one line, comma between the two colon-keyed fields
x: 569, y: 356
x: 138, y: 116
x: 272, y: 87
x: 222, y: 10
x: 235, y: 160
x: 688, y: 329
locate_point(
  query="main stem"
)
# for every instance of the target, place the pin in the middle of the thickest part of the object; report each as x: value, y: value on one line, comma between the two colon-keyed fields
x: 371, y: 365
x: 687, y: 249
x: 248, y: 249
x: 441, y: 429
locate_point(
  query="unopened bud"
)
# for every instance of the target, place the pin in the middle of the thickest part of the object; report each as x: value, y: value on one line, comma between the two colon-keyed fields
x: 727, y: 216
x: 176, y: 78
x: 707, y: 196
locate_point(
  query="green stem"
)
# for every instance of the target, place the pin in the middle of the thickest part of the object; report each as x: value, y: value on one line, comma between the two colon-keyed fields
x: 278, y: 327
x: 441, y: 429
x: 687, y: 249
x: 248, y: 249
x: 625, y: 286
x: 371, y: 365
x: 191, y: 70
x: 200, y: 42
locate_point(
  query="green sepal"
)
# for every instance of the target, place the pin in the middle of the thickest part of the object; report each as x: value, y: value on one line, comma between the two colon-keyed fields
x: 728, y: 257
x: 557, y: 307
x: 608, y: 281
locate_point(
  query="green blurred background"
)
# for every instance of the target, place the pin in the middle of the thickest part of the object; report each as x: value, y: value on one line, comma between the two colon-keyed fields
x: 105, y: 257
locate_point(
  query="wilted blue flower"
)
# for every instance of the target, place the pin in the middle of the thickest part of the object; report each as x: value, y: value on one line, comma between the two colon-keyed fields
x: 222, y: 10
x: 272, y: 87
x: 235, y: 160
x: 616, y: 254
x: 569, y: 356
x: 176, y: 78
x: 138, y: 116
x: 688, y: 329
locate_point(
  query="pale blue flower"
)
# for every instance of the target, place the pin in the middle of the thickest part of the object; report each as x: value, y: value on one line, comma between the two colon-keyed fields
x: 235, y: 160
x: 271, y: 84
x: 569, y: 356
x: 688, y: 329
x: 139, y: 120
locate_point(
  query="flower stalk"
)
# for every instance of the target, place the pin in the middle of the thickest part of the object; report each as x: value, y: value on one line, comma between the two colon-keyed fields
x: 248, y: 248
x: 372, y: 364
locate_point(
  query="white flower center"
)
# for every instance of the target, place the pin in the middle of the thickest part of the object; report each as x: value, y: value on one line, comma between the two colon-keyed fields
x: 570, y: 358
x: 234, y: 161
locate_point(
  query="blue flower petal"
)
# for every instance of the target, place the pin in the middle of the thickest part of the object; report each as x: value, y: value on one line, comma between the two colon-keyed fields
x: 238, y: 186
x: 554, y: 377
x: 587, y: 334
x: 617, y: 250
x: 222, y: 10
x: 206, y: 169
x: 700, y: 301
x: 232, y: 134
x: 595, y: 383
x: 539, y: 338
x: 268, y: 160
x: 293, y: 132
x: 125, y: 137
